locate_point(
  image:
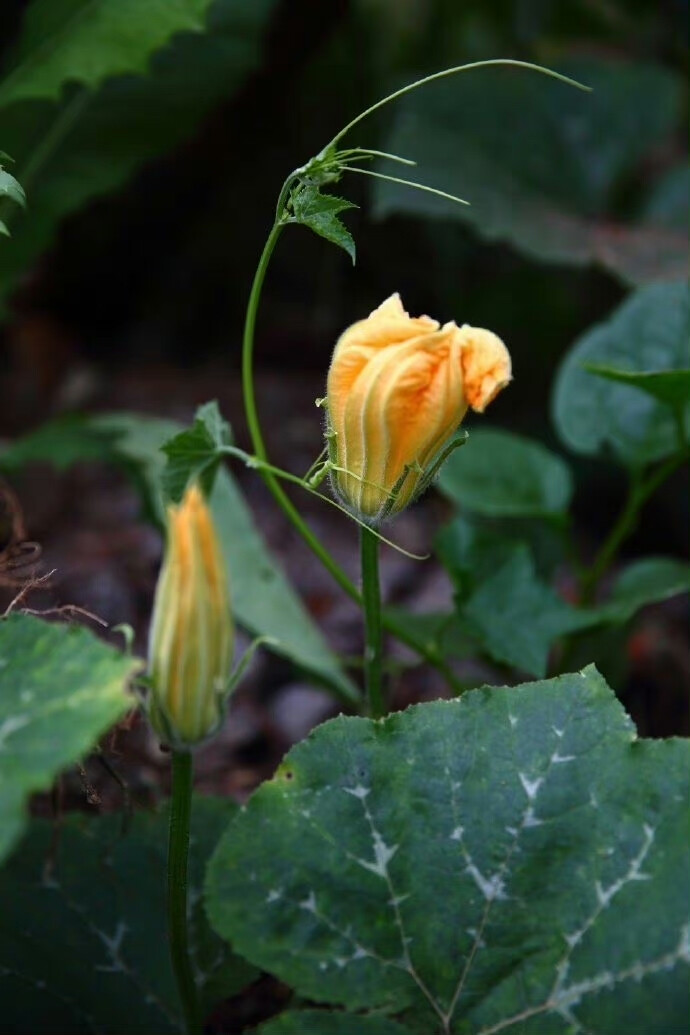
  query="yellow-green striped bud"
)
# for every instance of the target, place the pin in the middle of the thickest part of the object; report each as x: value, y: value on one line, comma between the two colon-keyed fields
x: 398, y: 388
x: 192, y: 634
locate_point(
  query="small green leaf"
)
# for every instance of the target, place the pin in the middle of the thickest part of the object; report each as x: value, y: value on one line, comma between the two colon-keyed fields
x: 517, y: 618
x: 671, y: 387
x: 4, y: 229
x: 194, y: 453
x: 645, y: 582
x: 318, y: 211
x: 88, y: 41
x: 593, y: 415
x: 323, y: 1022
x: 309, y: 201
x: 11, y: 188
x: 82, y: 946
x: 60, y: 690
x: 514, y: 860
x: 500, y: 474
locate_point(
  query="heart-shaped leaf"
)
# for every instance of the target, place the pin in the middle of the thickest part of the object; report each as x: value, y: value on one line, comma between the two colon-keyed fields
x: 511, y: 861
x: 648, y: 332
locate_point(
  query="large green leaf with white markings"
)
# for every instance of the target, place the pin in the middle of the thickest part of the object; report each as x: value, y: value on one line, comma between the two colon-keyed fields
x: 82, y: 946
x: 60, y: 690
x: 514, y: 860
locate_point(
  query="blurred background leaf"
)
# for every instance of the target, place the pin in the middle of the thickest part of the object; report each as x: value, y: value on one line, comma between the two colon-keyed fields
x: 541, y: 163
x: 101, y: 887
x: 60, y: 690
x: 87, y: 41
x: 649, y: 332
x: 645, y: 582
x: 671, y: 387
x: 500, y: 474
x: 89, y: 143
x: 262, y: 598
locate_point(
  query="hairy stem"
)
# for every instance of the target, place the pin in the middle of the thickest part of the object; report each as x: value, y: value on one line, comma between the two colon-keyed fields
x: 373, y: 640
x: 178, y: 856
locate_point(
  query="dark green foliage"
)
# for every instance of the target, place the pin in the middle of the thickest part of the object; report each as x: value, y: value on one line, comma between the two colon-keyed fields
x: 515, y: 859
x: 90, y: 141
x: 648, y: 332
x: 500, y: 474
x: 540, y: 162
x: 82, y: 947
x: 136, y: 443
x: 671, y: 387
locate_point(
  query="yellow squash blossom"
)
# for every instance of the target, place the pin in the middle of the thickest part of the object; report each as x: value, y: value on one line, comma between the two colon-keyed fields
x: 398, y: 388
x: 192, y: 633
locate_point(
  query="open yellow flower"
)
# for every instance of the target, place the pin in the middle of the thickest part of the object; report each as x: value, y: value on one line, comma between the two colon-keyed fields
x: 398, y: 388
x: 192, y: 632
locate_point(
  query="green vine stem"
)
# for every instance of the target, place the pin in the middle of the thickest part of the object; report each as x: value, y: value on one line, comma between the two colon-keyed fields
x: 272, y: 483
x: 639, y: 491
x: 254, y: 425
x: 428, y: 653
x: 178, y: 857
x: 373, y: 648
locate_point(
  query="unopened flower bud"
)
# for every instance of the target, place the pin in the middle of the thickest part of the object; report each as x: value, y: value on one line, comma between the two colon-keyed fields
x: 192, y: 633
x: 398, y: 388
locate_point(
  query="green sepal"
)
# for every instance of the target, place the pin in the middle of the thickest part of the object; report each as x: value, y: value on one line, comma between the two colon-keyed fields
x: 459, y: 439
x: 162, y: 723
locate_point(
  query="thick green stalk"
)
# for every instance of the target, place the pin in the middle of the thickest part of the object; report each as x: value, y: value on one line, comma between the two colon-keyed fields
x: 373, y: 643
x: 178, y: 856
